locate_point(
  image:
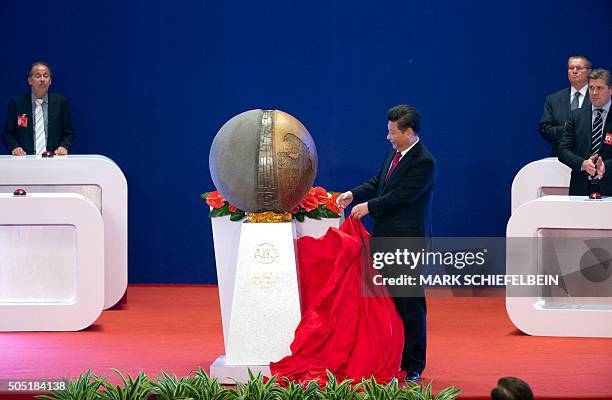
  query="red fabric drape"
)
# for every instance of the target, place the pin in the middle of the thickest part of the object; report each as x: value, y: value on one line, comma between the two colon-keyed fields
x: 341, y: 330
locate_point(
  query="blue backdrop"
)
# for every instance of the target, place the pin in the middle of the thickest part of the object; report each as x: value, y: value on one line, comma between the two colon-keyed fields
x: 151, y: 82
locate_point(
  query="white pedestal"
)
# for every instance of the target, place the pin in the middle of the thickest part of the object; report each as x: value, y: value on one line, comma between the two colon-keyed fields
x: 228, y: 374
x: 226, y: 236
x: 266, y: 302
x: 95, y: 177
x: 52, y: 262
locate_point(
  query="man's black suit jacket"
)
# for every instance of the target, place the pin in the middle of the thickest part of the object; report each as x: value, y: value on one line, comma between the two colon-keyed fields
x: 557, y: 111
x: 59, y: 126
x: 575, y: 147
x: 401, y: 206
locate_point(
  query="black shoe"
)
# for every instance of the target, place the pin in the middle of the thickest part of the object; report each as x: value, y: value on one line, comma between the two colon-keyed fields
x: 412, y: 376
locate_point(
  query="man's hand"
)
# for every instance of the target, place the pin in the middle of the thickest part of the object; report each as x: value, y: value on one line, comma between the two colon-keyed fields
x: 61, y: 151
x: 360, y: 210
x: 589, y: 165
x: 18, y: 151
x: 601, y: 167
x: 345, y: 199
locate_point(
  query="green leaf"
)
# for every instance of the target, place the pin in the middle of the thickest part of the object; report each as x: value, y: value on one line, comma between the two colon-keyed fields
x: 300, y: 216
x: 327, y: 213
x: 448, y: 393
x: 85, y: 387
x: 314, y: 214
x: 238, y: 215
x: 220, y: 212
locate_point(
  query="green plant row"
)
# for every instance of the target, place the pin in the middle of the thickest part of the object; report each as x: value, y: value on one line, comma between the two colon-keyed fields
x: 199, y: 386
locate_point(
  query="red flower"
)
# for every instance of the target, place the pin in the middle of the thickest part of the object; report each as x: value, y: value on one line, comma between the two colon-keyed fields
x: 295, y: 210
x: 215, y: 200
x: 332, y: 205
x: 319, y: 193
x: 309, y: 202
x: 232, y: 208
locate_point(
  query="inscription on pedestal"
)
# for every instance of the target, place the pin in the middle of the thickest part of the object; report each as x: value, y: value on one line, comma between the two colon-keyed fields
x: 265, y: 304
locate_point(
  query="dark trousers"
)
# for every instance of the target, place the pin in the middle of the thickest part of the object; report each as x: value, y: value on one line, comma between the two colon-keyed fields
x: 409, y: 302
x: 413, y: 312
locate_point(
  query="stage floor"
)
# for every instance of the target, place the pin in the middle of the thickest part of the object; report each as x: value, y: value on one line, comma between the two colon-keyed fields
x: 177, y: 328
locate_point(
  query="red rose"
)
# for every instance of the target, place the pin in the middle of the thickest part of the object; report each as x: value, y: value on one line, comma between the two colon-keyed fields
x: 295, y: 210
x: 215, y: 200
x: 232, y: 208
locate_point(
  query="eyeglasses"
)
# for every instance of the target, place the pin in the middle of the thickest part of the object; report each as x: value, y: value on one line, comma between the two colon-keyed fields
x: 577, y: 68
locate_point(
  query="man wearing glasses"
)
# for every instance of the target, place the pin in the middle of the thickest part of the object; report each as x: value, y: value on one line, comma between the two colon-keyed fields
x: 559, y: 104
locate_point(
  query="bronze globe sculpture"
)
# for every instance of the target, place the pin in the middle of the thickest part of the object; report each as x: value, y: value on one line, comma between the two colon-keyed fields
x: 263, y: 160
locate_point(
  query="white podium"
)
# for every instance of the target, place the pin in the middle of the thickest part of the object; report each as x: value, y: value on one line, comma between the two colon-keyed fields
x: 95, y: 177
x: 568, y: 233
x: 51, y: 262
x: 540, y: 178
x: 231, y: 256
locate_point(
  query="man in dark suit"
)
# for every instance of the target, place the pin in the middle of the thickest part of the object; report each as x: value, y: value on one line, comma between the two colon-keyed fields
x: 559, y: 104
x: 586, y: 145
x: 38, y: 121
x: 398, y: 199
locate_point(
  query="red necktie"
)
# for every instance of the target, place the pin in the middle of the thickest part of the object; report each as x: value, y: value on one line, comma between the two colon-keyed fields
x: 394, y: 163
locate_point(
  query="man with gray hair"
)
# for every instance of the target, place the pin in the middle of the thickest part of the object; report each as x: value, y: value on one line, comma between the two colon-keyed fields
x: 586, y: 145
x: 559, y: 104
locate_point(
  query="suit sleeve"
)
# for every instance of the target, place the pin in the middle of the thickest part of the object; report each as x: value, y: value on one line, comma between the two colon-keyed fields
x: 67, y: 133
x: 418, y: 179
x: 608, y: 165
x: 550, y: 129
x: 365, y: 191
x: 568, y: 142
x: 9, y: 136
x: 369, y: 189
